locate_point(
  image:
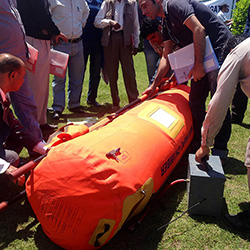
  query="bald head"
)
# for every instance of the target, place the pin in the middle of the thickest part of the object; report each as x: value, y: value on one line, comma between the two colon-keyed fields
x: 9, y: 63
x: 12, y: 72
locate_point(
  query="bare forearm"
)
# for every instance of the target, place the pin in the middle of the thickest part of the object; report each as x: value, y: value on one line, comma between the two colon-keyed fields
x: 161, y: 72
x: 163, y: 67
x: 199, y: 38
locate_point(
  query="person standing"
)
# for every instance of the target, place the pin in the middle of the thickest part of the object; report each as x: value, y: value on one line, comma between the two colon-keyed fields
x: 92, y: 49
x: 224, y: 8
x: 120, y: 39
x: 12, y: 41
x: 185, y: 22
x: 151, y: 56
x: 40, y: 30
x: 70, y: 17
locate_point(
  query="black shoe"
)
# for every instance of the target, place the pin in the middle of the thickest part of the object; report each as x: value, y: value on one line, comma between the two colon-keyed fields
x: 77, y: 110
x: 48, y: 127
x: 240, y: 222
x: 114, y: 108
x: 56, y: 115
x: 94, y: 103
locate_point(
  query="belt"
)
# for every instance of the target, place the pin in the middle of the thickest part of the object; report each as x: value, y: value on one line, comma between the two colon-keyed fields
x: 75, y: 40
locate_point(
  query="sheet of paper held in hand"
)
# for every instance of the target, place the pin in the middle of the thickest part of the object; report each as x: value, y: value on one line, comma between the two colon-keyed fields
x: 182, y: 61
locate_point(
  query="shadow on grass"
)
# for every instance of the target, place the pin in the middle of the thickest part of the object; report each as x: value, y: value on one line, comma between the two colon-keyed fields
x: 221, y: 221
x: 234, y: 167
x: 11, y: 219
x: 244, y: 125
x: 90, y: 111
x: 18, y: 222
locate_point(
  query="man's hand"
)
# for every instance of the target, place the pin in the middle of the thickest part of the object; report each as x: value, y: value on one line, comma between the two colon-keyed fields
x: 20, y: 180
x: 61, y: 36
x: 197, y: 72
x: 115, y: 24
x: 201, y: 152
x: 150, y: 90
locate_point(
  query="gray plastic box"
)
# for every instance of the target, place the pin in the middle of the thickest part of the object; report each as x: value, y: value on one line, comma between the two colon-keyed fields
x: 206, y: 185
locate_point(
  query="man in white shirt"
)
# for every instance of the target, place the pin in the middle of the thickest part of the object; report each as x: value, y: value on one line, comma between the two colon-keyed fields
x: 70, y: 17
x: 120, y: 39
x: 222, y: 17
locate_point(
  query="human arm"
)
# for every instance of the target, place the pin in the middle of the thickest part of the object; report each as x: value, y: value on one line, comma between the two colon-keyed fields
x: 85, y: 13
x: 199, y: 39
x: 19, y: 136
x: 136, y: 30
x: 43, y: 17
x: 56, y: 39
x: 100, y: 21
x: 6, y: 168
x: 162, y: 69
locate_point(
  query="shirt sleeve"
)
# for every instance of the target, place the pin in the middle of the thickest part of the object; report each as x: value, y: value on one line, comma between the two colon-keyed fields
x: 85, y: 13
x: 181, y: 10
x: 136, y: 26
x: 226, y: 84
x: 3, y: 165
x: 100, y: 21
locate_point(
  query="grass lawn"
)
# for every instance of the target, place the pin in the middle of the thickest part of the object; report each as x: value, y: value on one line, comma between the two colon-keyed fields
x: 19, y: 228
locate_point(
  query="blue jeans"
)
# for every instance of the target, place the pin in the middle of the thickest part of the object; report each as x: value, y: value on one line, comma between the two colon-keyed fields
x: 75, y: 74
x: 25, y: 109
x: 94, y: 50
x: 151, y: 60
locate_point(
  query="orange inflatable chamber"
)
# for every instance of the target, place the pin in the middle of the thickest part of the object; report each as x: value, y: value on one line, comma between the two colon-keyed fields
x: 86, y: 188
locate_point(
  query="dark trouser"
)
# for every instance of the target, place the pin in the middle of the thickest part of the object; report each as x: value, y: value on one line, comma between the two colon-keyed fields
x: 115, y: 52
x: 94, y: 50
x: 10, y: 156
x: 239, y: 105
x: 197, y: 100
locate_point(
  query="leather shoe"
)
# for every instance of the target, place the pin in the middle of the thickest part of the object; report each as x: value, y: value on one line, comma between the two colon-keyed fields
x: 240, y: 222
x: 115, y: 108
x: 94, y: 103
x: 48, y: 127
x: 77, y: 110
x: 56, y: 115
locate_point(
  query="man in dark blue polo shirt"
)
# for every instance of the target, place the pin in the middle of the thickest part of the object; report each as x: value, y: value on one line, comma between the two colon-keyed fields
x: 185, y: 22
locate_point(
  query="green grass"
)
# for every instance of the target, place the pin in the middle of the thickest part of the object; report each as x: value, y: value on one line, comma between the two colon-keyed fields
x: 20, y: 230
